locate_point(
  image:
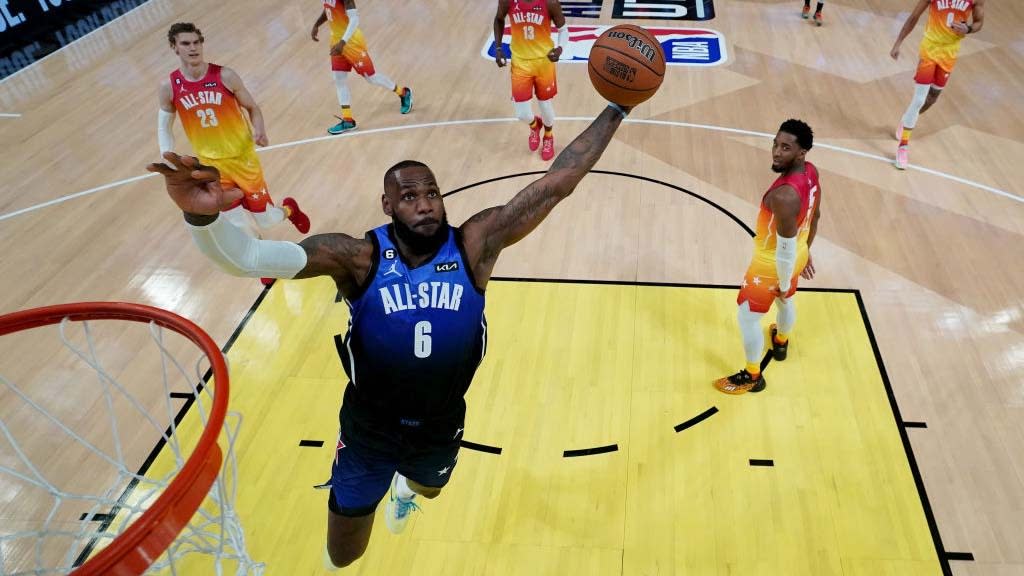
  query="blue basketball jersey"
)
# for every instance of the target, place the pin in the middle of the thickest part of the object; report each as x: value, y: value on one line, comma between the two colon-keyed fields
x: 416, y: 335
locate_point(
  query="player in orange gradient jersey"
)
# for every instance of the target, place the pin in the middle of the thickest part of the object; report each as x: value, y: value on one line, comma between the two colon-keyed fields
x: 947, y: 25
x: 348, y: 52
x: 209, y: 100
x: 786, y: 226
x: 534, y: 54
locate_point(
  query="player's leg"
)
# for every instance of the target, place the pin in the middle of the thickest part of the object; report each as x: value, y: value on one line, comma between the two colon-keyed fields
x: 359, y: 480
x: 340, y: 67
x: 522, y: 95
x: 942, y: 72
x: 817, y: 13
x: 546, y: 87
x: 922, y: 85
x: 248, y: 174
x: 424, y: 472
x: 359, y: 56
x: 754, y: 300
x: 785, y: 320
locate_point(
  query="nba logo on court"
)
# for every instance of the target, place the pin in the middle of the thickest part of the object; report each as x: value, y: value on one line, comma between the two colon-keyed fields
x: 682, y: 46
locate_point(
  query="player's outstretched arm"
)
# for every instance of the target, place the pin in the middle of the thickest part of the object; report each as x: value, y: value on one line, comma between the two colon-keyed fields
x: 197, y: 191
x: 492, y: 230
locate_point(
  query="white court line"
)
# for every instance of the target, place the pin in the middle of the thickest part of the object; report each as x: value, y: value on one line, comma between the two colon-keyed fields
x: 9, y: 115
x: 711, y: 127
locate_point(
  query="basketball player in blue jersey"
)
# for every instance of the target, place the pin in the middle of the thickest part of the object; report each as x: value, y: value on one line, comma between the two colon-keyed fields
x: 415, y: 288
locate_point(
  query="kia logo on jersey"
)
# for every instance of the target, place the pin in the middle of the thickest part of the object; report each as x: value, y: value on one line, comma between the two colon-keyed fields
x: 664, y: 9
x: 682, y: 46
x: 446, y: 267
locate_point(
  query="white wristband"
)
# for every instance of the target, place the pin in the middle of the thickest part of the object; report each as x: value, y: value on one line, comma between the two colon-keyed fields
x: 618, y: 109
x: 785, y: 261
x: 239, y: 254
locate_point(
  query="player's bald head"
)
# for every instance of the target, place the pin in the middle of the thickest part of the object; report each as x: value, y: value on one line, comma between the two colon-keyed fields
x: 405, y: 168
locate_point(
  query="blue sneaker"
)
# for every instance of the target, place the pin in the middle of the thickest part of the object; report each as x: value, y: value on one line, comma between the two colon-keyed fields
x: 342, y: 127
x: 406, y: 98
x: 397, y: 510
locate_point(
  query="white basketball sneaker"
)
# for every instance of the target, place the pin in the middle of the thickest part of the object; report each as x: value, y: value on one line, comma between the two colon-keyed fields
x: 397, y: 510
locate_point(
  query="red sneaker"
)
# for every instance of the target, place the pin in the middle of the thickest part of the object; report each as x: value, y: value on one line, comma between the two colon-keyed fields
x: 297, y: 217
x: 547, y: 150
x: 535, y: 133
x: 267, y: 281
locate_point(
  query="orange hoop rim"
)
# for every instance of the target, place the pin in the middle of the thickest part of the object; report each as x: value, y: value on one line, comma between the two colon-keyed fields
x: 132, y: 552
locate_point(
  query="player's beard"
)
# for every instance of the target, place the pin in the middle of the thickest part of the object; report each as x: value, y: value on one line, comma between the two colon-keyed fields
x: 417, y: 243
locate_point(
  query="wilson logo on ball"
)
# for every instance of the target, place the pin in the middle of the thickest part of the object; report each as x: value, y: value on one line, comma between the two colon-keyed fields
x: 636, y: 43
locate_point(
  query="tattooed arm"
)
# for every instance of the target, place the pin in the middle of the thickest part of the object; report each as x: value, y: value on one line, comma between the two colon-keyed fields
x: 489, y: 232
x: 197, y: 191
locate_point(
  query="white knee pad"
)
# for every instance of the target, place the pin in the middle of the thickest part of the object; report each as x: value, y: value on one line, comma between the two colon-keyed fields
x: 341, y: 85
x: 914, y: 109
x: 547, y: 112
x: 786, y: 314
x: 381, y: 80
x: 243, y: 220
x: 753, y: 336
x: 523, y: 111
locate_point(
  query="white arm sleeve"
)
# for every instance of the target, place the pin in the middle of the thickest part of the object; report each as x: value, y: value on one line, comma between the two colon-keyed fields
x: 563, y: 37
x: 164, y: 132
x: 353, y: 24
x: 239, y: 254
x: 785, y: 261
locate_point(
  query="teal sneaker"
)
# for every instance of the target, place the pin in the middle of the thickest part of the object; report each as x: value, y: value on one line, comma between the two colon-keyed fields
x: 342, y: 127
x: 406, y: 98
x: 397, y: 510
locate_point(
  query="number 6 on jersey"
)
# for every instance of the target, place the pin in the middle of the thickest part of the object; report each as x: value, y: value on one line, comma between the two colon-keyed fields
x: 421, y: 342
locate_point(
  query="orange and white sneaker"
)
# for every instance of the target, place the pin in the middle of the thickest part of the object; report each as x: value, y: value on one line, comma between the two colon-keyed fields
x: 902, y: 158
x: 547, y: 149
x: 740, y: 383
x: 806, y: 12
x: 535, y: 133
x: 817, y: 19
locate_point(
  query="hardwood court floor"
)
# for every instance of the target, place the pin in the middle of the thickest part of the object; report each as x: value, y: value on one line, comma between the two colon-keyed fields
x: 935, y: 254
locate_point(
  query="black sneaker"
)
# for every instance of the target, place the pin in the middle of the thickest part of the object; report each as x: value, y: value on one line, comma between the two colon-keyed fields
x: 778, y: 350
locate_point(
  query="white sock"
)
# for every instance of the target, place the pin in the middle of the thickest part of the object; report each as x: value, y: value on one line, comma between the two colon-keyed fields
x: 786, y: 316
x: 547, y: 112
x: 402, y: 489
x: 341, y: 86
x: 381, y: 80
x: 270, y: 217
x: 523, y: 111
x: 914, y: 109
x: 753, y: 336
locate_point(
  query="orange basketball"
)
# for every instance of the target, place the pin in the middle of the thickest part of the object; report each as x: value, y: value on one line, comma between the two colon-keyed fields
x: 626, y: 65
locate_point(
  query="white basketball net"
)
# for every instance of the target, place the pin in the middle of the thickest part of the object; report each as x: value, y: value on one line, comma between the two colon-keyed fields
x: 60, y: 531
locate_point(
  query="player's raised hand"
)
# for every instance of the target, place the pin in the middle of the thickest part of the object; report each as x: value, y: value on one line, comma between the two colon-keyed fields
x: 555, y: 54
x: 499, y: 56
x: 194, y: 188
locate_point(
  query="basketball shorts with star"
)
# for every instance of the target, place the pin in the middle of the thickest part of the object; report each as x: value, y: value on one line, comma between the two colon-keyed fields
x: 762, y: 279
x: 534, y: 76
x: 371, y: 449
x: 354, y: 56
x: 245, y: 173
